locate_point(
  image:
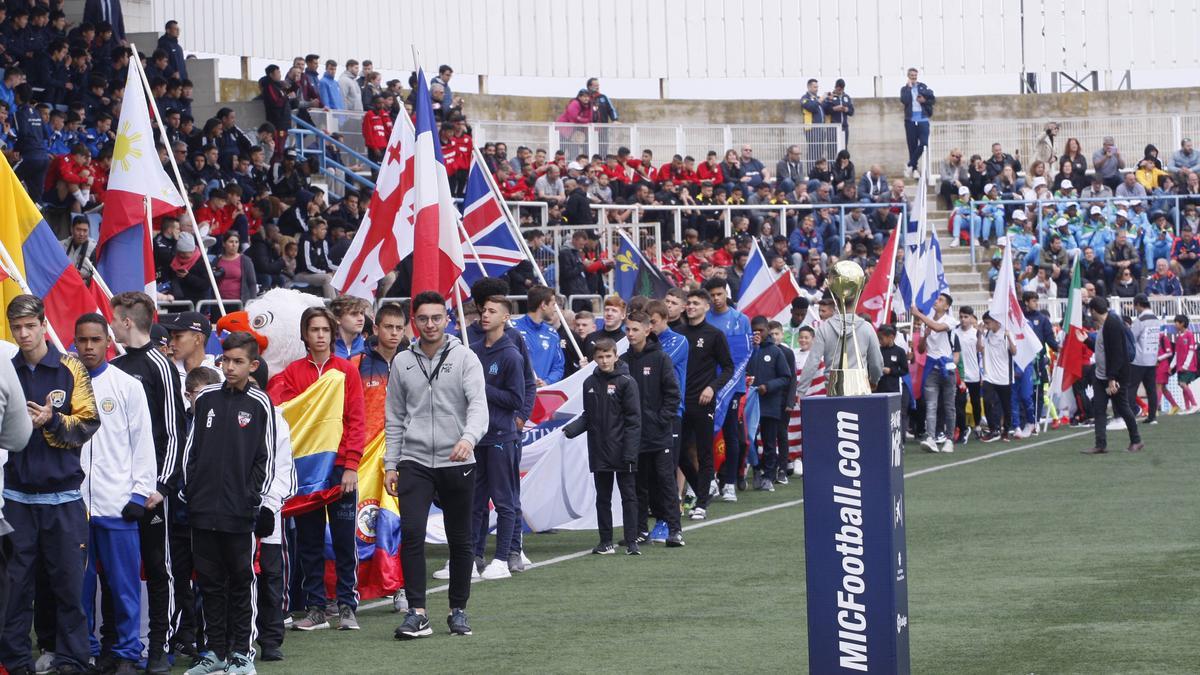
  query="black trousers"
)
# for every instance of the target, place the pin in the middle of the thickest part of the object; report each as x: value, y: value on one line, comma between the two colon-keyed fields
x: 627, y: 484
x: 998, y: 399
x: 735, y: 448
x: 973, y: 392
x: 160, y: 582
x: 270, y: 596
x: 189, y: 623
x: 339, y: 519
x: 1121, y: 407
x: 656, y: 491
x: 1083, y: 402
x: 455, y: 488
x: 225, y: 571
x: 697, y: 428
x: 768, y: 431
x: 1144, y: 375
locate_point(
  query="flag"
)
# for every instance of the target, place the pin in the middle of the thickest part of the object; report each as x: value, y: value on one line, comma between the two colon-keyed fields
x: 386, y: 234
x: 634, y: 274
x: 377, y: 527
x: 1074, y: 354
x: 39, y: 259
x: 763, y: 293
x: 315, y: 419
x: 923, y: 276
x: 437, y: 248
x: 1005, y: 307
x: 125, y: 257
x: 493, y: 238
x: 873, y: 299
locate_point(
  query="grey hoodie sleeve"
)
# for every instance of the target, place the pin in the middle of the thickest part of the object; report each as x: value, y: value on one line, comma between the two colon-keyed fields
x: 476, y: 423
x: 874, y: 357
x: 395, y: 421
x: 17, y: 427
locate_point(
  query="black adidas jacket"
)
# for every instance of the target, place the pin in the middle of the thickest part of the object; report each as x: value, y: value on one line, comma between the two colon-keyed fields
x: 229, y: 458
x: 710, y: 364
x: 654, y: 374
x: 612, y: 419
x: 164, y: 392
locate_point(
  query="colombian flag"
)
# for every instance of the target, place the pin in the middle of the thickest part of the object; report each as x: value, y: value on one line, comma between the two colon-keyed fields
x: 40, y: 259
x: 377, y: 528
x: 315, y: 419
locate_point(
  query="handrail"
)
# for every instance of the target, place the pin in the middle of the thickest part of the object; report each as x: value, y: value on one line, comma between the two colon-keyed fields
x: 330, y: 139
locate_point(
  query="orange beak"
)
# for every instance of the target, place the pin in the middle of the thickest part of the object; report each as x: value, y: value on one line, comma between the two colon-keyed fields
x: 240, y: 321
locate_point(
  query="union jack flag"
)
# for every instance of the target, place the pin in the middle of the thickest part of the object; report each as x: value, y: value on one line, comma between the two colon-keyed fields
x: 493, y: 240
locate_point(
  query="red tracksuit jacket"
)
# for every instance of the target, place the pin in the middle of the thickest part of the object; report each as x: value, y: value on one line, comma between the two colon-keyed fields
x: 300, y: 374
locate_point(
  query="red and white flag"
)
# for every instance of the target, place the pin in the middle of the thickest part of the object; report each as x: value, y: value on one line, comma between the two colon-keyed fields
x: 1005, y: 308
x: 411, y: 213
x: 874, y: 299
x: 1075, y: 353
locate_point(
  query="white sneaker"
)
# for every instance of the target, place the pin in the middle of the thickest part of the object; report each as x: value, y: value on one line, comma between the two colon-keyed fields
x: 698, y: 513
x: 929, y: 444
x: 954, y: 243
x: 497, y: 569
x: 443, y: 573
x: 44, y: 663
x: 1020, y: 433
x: 798, y: 467
x: 714, y: 488
x: 400, y: 601
x: 729, y: 494
x: 474, y: 571
x: 525, y: 561
x: 947, y: 445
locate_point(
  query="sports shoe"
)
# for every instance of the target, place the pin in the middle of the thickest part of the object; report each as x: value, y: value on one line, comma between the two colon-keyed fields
x: 714, y: 488
x: 698, y: 513
x: 44, y: 663
x: 289, y: 620
x: 497, y: 569
x: 157, y: 664
x: 1136, y: 447
x: 443, y: 573
x: 675, y: 540
x: 633, y: 549
x: 991, y: 438
x: 798, y: 467
x: 781, y: 477
x: 1094, y: 451
x: 313, y: 620
x: 603, y: 549
x: 400, y: 601
x: 457, y: 621
x: 729, y: 494
x: 929, y: 444
x: 270, y: 654
x: 514, y: 562
x: 209, y: 663
x: 689, y: 497
x: 643, y: 537
x: 947, y: 445
x: 331, y: 612
x: 415, y: 626
x: 125, y: 668
x: 240, y: 664
x: 1019, y: 433
x: 526, y: 563
x: 346, y: 618
x: 659, y: 534
x: 965, y: 436
x: 741, y: 484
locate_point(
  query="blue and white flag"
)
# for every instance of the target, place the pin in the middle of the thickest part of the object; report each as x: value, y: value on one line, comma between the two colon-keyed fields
x: 923, y: 277
x: 493, y: 247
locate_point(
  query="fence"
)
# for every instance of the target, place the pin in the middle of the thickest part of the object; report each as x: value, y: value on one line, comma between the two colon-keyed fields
x: 1019, y: 137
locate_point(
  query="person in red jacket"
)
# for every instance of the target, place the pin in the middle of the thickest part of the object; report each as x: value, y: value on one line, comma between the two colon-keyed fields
x: 317, y: 325
x: 513, y: 188
x: 377, y: 129
x: 69, y: 179
x: 710, y: 170
x: 212, y: 219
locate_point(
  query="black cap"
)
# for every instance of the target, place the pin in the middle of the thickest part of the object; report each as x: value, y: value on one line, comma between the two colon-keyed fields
x: 159, y: 337
x: 186, y: 321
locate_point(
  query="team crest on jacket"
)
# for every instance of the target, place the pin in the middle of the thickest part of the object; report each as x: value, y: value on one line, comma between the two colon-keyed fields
x: 767, y: 358
x: 243, y: 418
x: 57, y: 398
x: 107, y: 406
x: 646, y: 371
x: 493, y: 369
x: 699, y: 343
x: 612, y: 389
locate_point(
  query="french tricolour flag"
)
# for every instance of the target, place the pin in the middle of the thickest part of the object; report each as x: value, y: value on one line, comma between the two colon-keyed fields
x: 765, y: 293
x: 125, y: 257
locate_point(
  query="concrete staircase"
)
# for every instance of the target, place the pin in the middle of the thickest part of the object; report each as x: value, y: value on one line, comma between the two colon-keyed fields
x: 968, y: 282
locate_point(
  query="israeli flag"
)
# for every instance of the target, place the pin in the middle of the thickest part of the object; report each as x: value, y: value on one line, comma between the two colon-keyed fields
x: 923, y: 277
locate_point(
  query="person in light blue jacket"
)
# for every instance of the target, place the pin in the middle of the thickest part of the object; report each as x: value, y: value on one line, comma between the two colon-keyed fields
x: 988, y: 223
x: 327, y: 86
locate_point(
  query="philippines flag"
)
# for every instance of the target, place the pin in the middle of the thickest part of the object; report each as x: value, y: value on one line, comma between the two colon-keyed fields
x: 765, y: 293
x: 493, y: 240
x: 125, y: 257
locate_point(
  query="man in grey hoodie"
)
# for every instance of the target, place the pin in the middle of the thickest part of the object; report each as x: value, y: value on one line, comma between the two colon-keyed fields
x: 1146, y: 329
x: 435, y: 414
x: 826, y: 350
x: 15, y: 429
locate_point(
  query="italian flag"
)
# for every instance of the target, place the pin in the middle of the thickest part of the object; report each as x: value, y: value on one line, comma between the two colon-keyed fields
x: 1074, y: 353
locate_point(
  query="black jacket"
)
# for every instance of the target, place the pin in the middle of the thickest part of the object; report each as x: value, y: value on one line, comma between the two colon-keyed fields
x: 572, y: 275
x: 789, y: 396
x: 589, y: 343
x: 710, y: 364
x: 160, y: 379
x: 922, y: 90
x: 1116, y: 353
x: 654, y: 374
x: 229, y: 458
x: 612, y: 419
x: 768, y: 366
x: 313, y: 256
x: 576, y: 210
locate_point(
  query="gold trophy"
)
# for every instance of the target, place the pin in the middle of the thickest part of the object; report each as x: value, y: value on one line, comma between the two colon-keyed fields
x: 845, y: 281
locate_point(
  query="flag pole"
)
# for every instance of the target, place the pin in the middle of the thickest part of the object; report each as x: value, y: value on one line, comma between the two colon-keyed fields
x: 462, y: 316
x: 462, y: 231
x: 887, y: 300
x: 136, y: 64
x: 99, y: 281
x: 10, y: 267
x: 512, y: 223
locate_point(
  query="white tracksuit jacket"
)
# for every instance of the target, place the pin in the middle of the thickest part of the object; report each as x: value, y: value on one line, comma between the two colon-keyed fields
x: 284, y: 483
x: 118, y: 462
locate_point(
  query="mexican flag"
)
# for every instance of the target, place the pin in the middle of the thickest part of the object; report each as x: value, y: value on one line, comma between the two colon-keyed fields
x: 1074, y: 353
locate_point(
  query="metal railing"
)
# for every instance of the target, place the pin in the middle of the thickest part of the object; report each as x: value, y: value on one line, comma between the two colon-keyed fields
x: 1019, y: 137
x: 310, y: 141
x: 768, y: 142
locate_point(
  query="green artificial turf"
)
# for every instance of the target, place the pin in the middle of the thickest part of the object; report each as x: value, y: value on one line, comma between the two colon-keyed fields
x: 1036, y: 561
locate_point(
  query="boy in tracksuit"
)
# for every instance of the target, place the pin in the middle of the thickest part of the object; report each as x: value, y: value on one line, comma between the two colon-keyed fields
x: 504, y: 379
x: 767, y: 373
x: 652, y: 370
x: 541, y: 339
x: 118, y: 464
x: 228, y: 467
x: 613, y: 422
x: 675, y: 346
x: 42, y: 499
x: 789, y: 402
